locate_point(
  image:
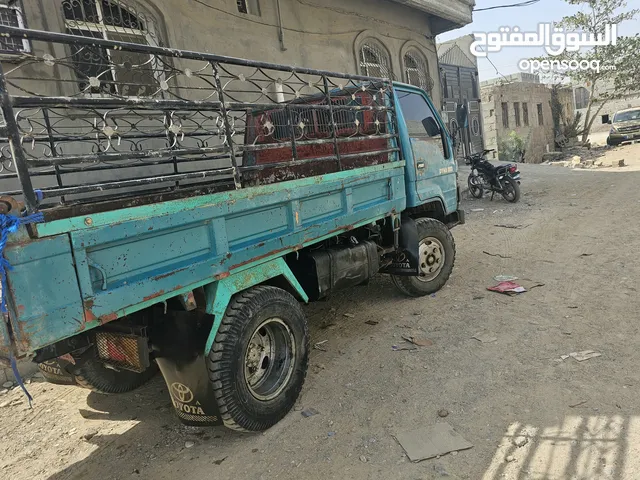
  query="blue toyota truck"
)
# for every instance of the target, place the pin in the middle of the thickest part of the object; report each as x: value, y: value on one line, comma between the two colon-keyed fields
x: 170, y: 210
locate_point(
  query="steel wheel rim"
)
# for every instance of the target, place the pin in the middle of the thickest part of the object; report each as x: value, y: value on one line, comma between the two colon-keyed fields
x: 432, y: 257
x: 269, y: 359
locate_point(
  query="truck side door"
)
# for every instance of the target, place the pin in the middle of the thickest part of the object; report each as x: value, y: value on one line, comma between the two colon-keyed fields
x: 431, y: 167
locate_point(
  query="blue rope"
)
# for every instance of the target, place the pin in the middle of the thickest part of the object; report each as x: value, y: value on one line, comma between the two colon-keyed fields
x: 10, y: 224
x: 16, y: 374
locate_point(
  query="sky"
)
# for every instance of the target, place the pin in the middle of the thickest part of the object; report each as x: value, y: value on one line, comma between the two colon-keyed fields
x: 527, y: 19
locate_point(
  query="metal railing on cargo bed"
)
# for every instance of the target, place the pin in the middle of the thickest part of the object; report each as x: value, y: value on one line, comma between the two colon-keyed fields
x: 93, y: 124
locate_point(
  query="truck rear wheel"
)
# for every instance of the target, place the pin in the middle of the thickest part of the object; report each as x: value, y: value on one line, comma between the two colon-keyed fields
x: 96, y: 376
x: 259, y: 359
x: 437, y: 253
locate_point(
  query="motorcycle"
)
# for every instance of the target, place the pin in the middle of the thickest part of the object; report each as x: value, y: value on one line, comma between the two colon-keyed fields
x: 503, y: 179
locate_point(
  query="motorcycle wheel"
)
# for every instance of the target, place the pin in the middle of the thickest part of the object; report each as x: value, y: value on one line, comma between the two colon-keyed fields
x: 476, y: 188
x: 510, y: 190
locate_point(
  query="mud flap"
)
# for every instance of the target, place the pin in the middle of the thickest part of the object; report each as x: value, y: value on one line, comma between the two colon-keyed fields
x: 191, y: 391
x: 407, y: 259
x: 55, y: 371
x: 182, y: 363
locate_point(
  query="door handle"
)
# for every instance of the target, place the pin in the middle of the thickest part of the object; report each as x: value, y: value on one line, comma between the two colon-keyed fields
x: 101, y: 270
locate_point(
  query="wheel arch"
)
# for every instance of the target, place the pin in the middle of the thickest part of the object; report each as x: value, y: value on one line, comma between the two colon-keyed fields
x: 218, y: 294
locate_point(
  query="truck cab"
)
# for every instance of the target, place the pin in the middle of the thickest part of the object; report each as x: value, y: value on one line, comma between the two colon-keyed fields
x: 431, y: 170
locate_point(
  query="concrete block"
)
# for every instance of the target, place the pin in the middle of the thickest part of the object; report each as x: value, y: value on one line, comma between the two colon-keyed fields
x: 617, y: 163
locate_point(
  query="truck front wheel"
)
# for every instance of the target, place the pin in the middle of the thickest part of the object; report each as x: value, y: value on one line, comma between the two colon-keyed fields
x: 259, y: 359
x: 437, y: 251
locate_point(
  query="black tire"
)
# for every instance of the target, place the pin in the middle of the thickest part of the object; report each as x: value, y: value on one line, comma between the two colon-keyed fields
x: 94, y: 375
x: 511, y: 189
x: 230, y: 358
x: 476, y: 190
x: 56, y: 371
x: 414, y: 286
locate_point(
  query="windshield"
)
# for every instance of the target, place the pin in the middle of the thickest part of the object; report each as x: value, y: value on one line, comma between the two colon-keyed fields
x: 626, y: 116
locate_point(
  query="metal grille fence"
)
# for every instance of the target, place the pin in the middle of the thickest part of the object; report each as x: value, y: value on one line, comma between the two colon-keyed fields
x: 93, y: 123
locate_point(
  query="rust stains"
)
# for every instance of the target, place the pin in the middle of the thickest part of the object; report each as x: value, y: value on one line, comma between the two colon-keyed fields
x: 153, y: 295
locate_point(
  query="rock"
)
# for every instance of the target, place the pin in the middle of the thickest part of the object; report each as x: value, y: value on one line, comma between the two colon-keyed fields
x: 520, y: 441
x: 440, y: 470
x: 349, y: 315
x: 588, y: 163
x: 5, y: 404
x: 363, y: 459
x: 443, y: 412
x: 617, y: 163
x: 4, y: 391
x: 8, y: 384
x: 510, y: 458
x: 89, y: 435
x: 576, y: 159
x: 189, y: 444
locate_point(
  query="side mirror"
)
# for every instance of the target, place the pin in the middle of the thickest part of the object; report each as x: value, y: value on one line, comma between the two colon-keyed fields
x: 430, y: 125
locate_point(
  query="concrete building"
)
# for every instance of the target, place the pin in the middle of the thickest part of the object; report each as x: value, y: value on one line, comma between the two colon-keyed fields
x: 520, y: 103
x: 392, y: 38
x: 460, y: 88
x: 581, y: 95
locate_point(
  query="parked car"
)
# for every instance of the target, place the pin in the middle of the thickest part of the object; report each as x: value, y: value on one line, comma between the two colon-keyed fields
x: 625, y: 126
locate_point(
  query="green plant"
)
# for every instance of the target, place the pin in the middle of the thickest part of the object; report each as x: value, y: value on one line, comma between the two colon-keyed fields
x: 511, y: 148
x: 564, y: 127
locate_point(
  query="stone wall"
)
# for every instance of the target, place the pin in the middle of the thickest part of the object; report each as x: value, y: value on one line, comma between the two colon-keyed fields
x: 537, y: 132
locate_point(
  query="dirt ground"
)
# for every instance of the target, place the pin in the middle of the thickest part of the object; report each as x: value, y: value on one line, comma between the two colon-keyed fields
x: 580, y: 420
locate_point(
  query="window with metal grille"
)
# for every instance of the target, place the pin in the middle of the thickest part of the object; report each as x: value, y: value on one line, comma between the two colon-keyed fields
x: 505, y: 114
x: 11, y: 16
x: 416, y: 70
x: 110, y: 70
x: 540, y: 118
x: 525, y: 113
x: 248, y: 6
x: 374, y: 60
x: 516, y: 111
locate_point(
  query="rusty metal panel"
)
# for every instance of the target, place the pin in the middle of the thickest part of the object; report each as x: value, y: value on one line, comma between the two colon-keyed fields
x: 44, y: 299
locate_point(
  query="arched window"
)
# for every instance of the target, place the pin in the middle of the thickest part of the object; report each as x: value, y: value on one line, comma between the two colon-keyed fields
x: 103, y: 70
x: 374, y: 59
x: 416, y: 70
x: 582, y: 97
